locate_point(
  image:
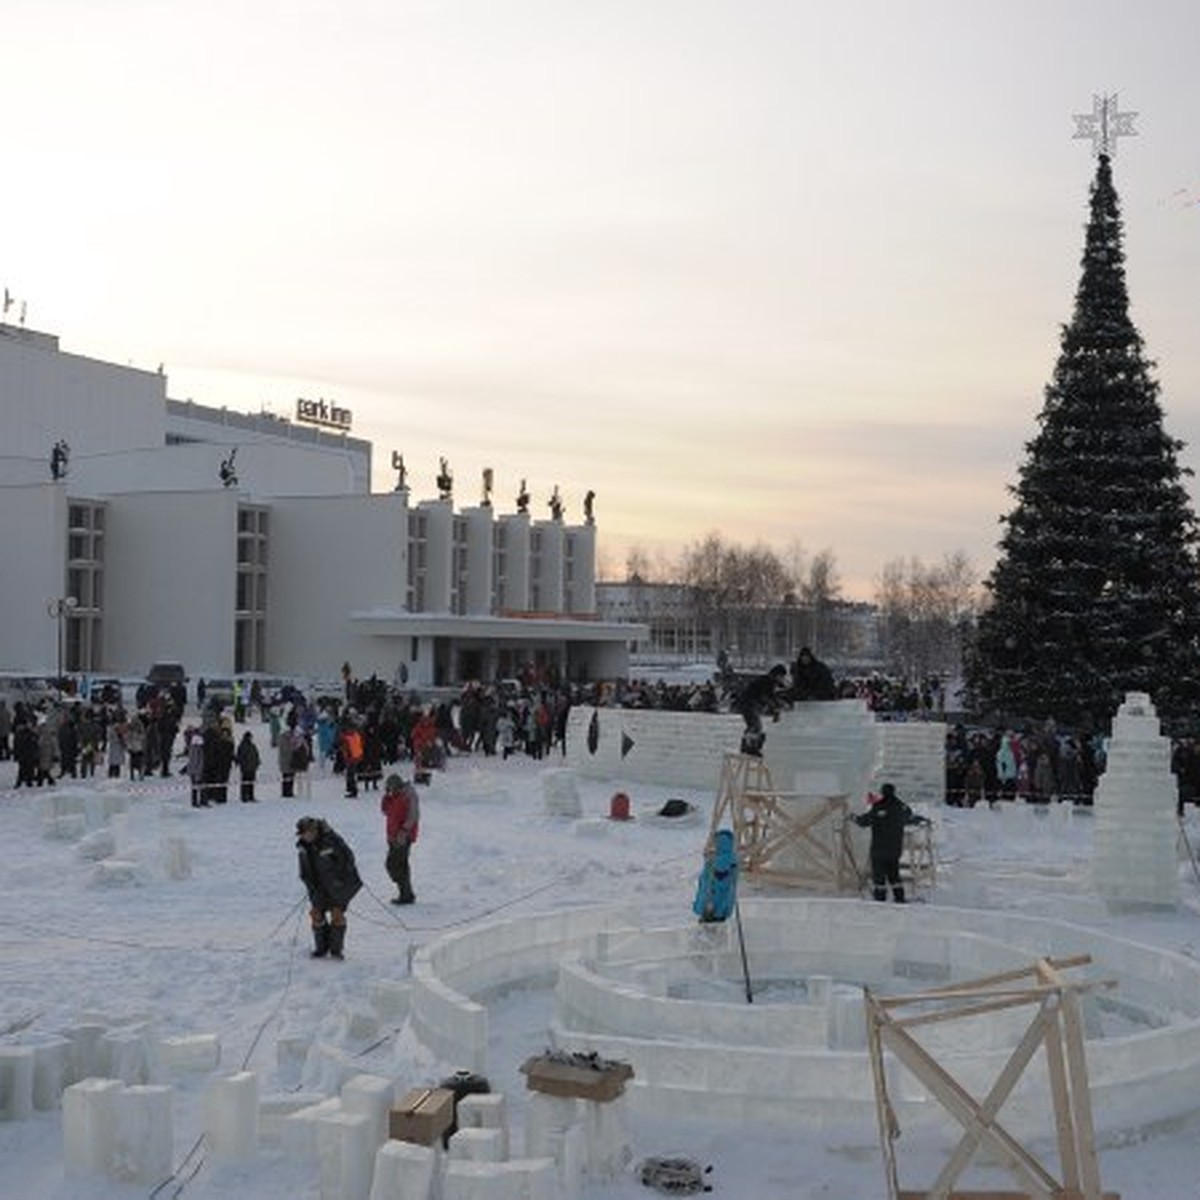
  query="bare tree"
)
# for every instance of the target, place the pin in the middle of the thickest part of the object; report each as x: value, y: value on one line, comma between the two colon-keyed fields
x: 637, y: 565
x: 926, y: 611
x: 818, y: 590
x: 737, y: 593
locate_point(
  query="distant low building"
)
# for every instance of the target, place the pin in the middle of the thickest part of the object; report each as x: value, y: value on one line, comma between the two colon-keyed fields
x: 240, y: 542
x: 847, y: 634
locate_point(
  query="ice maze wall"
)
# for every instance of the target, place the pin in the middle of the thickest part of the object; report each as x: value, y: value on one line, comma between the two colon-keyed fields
x: 641, y: 994
x: 687, y: 749
x: 805, y: 1061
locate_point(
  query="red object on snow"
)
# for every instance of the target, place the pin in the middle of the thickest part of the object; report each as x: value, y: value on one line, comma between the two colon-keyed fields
x: 618, y: 809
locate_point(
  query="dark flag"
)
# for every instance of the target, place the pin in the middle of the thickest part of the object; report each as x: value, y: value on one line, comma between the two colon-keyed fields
x: 626, y: 743
x: 593, y: 733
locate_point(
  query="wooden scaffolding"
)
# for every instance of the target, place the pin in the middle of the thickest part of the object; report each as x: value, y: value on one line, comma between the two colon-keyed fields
x: 1056, y: 1027
x: 786, y: 837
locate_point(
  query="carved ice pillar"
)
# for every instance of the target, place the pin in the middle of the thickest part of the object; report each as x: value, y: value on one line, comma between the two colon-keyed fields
x: 1134, y: 859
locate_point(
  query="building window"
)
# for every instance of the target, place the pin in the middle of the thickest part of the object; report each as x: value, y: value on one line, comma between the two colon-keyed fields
x: 83, y: 649
x: 250, y: 592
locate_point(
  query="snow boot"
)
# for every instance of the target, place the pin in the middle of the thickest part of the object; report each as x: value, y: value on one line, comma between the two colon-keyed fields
x: 322, y: 940
x: 337, y: 939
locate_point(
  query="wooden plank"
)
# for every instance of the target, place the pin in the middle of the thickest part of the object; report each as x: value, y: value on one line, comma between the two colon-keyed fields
x: 1064, y: 1119
x: 986, y: 981
x: 1081, y: 1096
x: 889, y: 1129
x: 906, y: 1194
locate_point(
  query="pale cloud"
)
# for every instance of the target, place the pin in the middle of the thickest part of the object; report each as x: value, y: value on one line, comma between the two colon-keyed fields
x: 779, y: 270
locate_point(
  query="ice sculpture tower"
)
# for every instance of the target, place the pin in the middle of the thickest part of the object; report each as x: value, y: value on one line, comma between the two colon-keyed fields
x: 1134, y: 860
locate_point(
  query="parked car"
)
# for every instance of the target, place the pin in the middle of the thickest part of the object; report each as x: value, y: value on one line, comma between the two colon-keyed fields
x: 166, y: 673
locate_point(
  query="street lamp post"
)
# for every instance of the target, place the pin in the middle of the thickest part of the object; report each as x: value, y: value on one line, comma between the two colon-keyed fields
x: 61, y: 610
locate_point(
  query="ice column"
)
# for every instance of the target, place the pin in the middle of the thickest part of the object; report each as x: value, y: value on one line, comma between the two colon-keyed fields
x: 89, y: 1125
x: 16, y: 1082
x: 231, y: 1116
x: 143, y: 1134
x: 404, y: 1171
x: 1134, y: 855
x: 346, y: 1150
x: 485, y: 1110
x: 554, y: 1129
x: 370, y: 1096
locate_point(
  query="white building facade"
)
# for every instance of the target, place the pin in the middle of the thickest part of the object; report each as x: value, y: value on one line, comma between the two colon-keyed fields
x: 235, y: 542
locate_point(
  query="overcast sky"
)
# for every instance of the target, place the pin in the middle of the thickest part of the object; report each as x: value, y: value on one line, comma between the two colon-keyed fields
x: 787, y: 271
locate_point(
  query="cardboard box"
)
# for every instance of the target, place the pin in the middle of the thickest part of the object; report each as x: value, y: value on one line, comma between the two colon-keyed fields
x: 422, y: 1116
x: 603, y: 1081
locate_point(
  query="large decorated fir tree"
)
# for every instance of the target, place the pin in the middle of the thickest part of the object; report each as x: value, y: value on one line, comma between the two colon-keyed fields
x: 1096, y: 591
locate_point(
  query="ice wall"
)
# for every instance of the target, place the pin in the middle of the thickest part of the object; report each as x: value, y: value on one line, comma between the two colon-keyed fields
x: 1134, y: 861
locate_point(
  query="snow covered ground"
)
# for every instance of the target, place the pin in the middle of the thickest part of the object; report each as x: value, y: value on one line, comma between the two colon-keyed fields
x: 225, y: 951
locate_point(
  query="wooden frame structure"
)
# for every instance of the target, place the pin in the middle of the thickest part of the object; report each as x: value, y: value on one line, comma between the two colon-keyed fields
x: 779, y: 843
x: 918, y: 863
x: 1057, y: 1027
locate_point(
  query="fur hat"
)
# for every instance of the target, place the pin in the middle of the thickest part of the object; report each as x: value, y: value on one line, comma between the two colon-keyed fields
x: 393, y: 783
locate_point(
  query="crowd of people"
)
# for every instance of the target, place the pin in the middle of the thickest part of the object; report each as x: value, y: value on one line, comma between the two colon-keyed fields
x: 373, y: 726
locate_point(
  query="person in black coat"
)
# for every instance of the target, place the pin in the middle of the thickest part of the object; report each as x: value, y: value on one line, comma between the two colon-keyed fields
x: 887, y: 819
x: 224, y: 752
x: 248, y: 761
x: 25, y: 751
x: 329, y: 874
x: 763, y: 694
x: 811, y: 678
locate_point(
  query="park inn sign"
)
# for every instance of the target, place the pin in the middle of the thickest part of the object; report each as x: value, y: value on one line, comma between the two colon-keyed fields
x: 321, y: 412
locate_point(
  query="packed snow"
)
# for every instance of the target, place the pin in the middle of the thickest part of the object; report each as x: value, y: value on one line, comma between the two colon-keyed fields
x: 219, y: 944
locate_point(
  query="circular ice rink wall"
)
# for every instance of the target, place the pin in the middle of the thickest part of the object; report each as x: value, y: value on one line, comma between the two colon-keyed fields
x: 670, y: 1000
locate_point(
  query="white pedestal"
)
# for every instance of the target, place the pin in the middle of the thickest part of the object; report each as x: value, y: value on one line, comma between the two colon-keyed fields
x: 370, y: 1096
x: 51, y: 1073
x: 404, y: 1171
x: 143, y: 1135
x: 231, y: 1117
x: 485, y: 1110
x: 89, y: 1125
x: 477, y: 1145
x: 16, y: 1082
x: 347, y: 1156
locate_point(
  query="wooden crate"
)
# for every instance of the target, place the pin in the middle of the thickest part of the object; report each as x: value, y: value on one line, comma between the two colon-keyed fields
x: 553, y: 1078
x: 422, y: 1116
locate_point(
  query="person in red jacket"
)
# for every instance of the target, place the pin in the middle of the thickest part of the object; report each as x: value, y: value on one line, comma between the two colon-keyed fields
x: 401, y: 806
